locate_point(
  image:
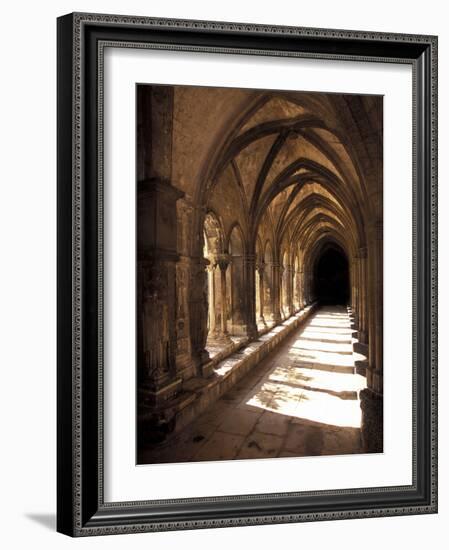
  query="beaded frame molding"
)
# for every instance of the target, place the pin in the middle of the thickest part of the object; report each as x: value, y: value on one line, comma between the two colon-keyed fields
x: 81, y: 510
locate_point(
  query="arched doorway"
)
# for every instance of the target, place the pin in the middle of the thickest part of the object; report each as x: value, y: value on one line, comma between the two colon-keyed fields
x: 331, y: 276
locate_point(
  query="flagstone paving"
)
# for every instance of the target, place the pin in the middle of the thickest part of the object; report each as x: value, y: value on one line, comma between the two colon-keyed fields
x: 301, y: 400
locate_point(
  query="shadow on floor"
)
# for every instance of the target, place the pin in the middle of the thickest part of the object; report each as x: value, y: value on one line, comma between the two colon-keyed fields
x: 46, y: 520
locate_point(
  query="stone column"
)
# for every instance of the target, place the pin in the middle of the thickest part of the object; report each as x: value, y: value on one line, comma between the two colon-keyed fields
x: 371, y: 398
x: 282, y: 291
x: 198, y: 305
x: 290, y: 285
x: 307, y: 289
x: 249, y: 266
x: 375, y: 378
x: 275, y: 294
x: 260, y: 271
x: 362, y: 301
x: 184, y: 364
x: 223, y: 261
x: 212, y: 324
x: 301, y: 297
x: 157, y: 258
x: 355, y: 290
x: 295, y: 283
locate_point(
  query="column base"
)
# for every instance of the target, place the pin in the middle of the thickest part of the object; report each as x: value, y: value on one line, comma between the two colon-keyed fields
x: 372, y: 421
x: 158, y: 422
x: 156, y: 412
x: 252, y: 332
x: 360, y: 367
x: 239, y: 330
x: 156, y: 396
x: 218, y: 339
x: 200, y: 358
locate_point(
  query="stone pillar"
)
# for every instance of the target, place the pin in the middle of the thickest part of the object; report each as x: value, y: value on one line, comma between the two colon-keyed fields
x: 362, y: 301
x: 212, y: 319
x: 260, y: 271
x: 223, y: 261
x: 355, y: 290
x: 276, y: 279
x: 249, y: 266
x: 295, y: 284
x: 375, y: 377
x: 371, y: 398
x: 371, y: 404
x: 215, y: 336
x: 301, y: 297
x: 198, y: 306
x: 290, y: 286
x: 184, y: 365
x: 237, y: 292
x: 157, y: 258
x: 307, y: 289
x: 282, y: 291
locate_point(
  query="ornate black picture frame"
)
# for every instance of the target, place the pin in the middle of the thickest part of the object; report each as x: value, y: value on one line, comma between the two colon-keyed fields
x: 81, y: 509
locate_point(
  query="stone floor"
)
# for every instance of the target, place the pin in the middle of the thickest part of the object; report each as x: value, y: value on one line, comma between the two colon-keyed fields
x: 302, y: 400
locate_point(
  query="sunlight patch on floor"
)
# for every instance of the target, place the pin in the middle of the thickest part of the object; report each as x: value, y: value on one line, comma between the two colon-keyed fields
x: 317, y: 357
x: 320, y: 345
x: 318, y: 383
x: 325, y: 335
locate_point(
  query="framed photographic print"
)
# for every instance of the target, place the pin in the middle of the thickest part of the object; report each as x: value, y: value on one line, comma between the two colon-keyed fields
x: 246, y: 274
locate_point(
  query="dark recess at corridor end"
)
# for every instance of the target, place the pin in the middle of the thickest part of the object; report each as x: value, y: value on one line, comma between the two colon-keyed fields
x: 331, y: 277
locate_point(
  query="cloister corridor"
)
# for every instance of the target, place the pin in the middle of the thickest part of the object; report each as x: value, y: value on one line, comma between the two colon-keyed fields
x: 301, y: 400
x: 259, y: 226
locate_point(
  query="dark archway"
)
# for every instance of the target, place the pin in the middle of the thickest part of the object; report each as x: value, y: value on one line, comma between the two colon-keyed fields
x: 331, y: 276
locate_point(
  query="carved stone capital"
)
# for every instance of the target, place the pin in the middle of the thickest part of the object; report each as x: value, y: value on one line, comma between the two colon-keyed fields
x: 260, y: 268
x: 223, y: 260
